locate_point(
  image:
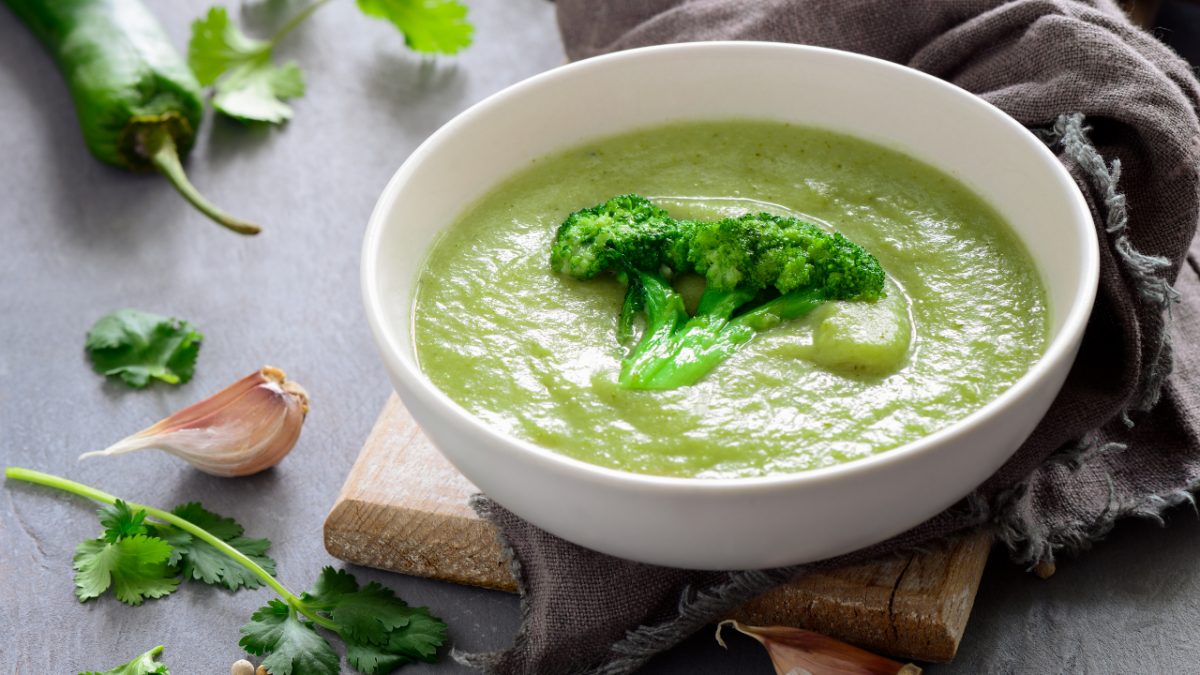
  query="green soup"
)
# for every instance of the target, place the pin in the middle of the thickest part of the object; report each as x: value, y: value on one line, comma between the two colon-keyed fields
x: 534, y: 353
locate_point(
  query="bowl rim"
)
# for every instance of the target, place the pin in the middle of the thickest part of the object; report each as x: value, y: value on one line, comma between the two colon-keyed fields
x: 1060, y: 346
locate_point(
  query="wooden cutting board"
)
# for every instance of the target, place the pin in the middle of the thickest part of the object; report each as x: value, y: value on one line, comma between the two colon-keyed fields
x: 404, y: 508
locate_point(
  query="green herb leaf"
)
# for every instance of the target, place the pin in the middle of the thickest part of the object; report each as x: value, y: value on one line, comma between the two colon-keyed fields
x: 221, y: 528
x: 237, y: 574
x: 366, y: 615
x: 201, y: 560
x: 420, y: 638
x: 431, y: 26
x: 255, y: 92
x: 380, y: 630
x: 204, y: 562
x: 372, y: 659
x: 142, y: 665
x: 293, y: 643
x: 248, y: 85
x: 177, y: 538
x: 140, y: 345
x: 120, y: 521
x: 217, y: 46
x: 136, y: 568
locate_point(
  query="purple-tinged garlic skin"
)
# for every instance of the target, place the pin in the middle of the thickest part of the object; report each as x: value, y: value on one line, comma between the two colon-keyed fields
x: 244, y: 428
x: 795, y: 650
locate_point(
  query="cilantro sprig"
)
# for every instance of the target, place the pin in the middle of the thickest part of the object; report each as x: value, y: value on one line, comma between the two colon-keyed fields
x: 140, y: 558
x: 247, y: 85
x: 138, y: 345
x: 142, y: 665
x: 381, y: 631
x: 429, y: 26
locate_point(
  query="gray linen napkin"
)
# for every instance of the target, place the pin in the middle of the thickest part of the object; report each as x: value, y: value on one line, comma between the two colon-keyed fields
x: 1123, y: 437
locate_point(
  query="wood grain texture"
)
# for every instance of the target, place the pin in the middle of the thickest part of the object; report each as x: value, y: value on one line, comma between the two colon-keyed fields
x: 405, y: 508
x: 913, y: 606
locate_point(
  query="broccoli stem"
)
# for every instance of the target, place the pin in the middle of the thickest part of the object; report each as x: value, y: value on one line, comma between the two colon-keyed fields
x: 677, y: 352
x: 635, y: 301
x: 703, y: 342
x: 665, y: 313
x: 784, y: 308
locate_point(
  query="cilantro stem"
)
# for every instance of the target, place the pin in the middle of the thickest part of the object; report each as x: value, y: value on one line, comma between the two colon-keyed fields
x: 295, y: 21
x: 92, y: 493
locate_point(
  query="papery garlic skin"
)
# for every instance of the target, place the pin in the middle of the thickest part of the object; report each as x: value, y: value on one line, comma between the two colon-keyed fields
x: 242, y: 429
x: 795, y: 651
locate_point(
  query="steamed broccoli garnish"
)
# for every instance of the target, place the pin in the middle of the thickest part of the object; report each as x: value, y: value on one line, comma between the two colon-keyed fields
x: 623, y: 232
x: 761, y: 270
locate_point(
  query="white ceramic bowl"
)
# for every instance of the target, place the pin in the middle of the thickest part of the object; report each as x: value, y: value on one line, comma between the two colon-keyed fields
x: 743, y: 522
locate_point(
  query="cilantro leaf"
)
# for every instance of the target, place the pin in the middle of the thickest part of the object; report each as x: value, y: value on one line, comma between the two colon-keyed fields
x: 372, y: 659
x: 201, y: 560
x: 428, y: 25
x: 420, y: 638
x: 221, y: 528
x: 217, y: 45
x: 380, y: 630
x: 254, y: 92
x: 177, y: 538
x: 120, y: 521
x: 248, y: 86
x: 204, y: 562
x: 136, y: 568
x: 142, y: 665
x: 293, y: 643
x: 237, y: 574
x: 140, y: 345
x: 366, y: 615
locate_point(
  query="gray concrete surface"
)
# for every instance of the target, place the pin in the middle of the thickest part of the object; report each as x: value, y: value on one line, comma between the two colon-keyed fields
x: 79, y: 239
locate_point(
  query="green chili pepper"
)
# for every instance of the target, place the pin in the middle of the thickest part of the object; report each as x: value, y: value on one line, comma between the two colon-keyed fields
x: 138, y: 103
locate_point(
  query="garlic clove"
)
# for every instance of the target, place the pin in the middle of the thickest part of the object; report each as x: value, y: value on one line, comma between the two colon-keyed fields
x: 242, y: 429
x: 796, y: 651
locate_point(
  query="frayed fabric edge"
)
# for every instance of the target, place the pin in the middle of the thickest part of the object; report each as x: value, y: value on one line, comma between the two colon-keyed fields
x: 486, y: 661
x: 1032, y: 545
x: 1070, y: 134
x: 696, y: 610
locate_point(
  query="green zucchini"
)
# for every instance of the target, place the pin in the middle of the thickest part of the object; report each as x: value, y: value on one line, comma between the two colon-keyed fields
x: 138, y: 103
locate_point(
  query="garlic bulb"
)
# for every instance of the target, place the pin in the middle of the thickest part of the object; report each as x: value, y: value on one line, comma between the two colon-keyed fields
x: 795, y: 651
x: 242, y: 429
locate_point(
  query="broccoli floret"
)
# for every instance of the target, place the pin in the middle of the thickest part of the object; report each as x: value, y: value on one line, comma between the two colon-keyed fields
x: 623, y: 231
x: 789, y: 266
x: 761, y: 250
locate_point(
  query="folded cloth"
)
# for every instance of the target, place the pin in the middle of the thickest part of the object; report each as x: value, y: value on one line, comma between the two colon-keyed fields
x: 1123, y: 436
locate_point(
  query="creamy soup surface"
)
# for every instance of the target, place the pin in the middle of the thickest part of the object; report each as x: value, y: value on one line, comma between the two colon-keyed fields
x: 534, y: 353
